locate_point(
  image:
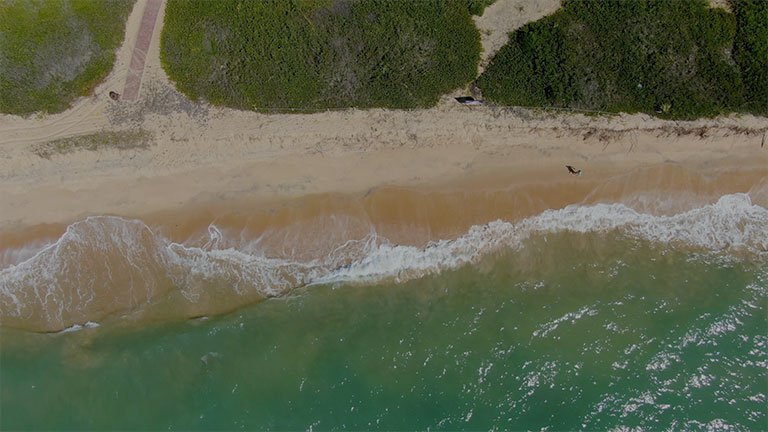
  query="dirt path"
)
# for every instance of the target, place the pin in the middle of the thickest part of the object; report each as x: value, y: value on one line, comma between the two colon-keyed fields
x: 140, y: 50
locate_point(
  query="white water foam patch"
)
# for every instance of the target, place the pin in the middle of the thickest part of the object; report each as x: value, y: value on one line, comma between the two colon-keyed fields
x: 15, y: 256
x: 572, y: 317
x: 78, y: 327
x: 106, y: 265
x: 85, y: 261
x: 245, y: 269
x: 193, y: 268
x: 731, y: 223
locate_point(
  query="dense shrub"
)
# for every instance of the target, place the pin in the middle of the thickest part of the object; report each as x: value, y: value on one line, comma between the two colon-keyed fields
x: 308, y: 55
x: 669, y: 57
x: 751, y: 51
x: 54, y: 51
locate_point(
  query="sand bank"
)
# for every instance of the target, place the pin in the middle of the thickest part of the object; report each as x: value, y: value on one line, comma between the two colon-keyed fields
x: 228, y: 222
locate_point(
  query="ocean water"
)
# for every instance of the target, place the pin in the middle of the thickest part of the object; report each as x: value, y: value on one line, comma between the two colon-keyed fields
x: 590, y: 317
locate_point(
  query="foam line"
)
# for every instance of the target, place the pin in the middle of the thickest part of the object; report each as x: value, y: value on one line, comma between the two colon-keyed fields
x: 731, y: 223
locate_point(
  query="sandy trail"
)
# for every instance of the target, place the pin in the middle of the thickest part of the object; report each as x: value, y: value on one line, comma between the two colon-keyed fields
x: 140, y: 50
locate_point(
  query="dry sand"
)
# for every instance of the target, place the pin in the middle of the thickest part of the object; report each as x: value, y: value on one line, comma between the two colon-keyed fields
x: 219, y: 158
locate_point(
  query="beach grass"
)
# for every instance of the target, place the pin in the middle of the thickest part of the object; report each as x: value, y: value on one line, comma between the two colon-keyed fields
x: 671, y: 58
x: 281, y: 55
x: 54, y: 51
x: 120, y: 140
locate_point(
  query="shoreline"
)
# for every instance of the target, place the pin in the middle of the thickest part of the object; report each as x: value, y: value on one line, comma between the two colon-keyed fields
x: 434, y: 208
x: 207, y: 259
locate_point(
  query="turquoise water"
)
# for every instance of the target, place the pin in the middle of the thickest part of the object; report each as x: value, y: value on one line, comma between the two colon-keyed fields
x: 568, y: 331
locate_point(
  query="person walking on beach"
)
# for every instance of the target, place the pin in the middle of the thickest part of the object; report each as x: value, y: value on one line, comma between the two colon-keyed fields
x: 573, y: 170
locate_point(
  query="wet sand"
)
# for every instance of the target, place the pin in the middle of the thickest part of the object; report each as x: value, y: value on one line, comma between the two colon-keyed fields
x: 418, y: 213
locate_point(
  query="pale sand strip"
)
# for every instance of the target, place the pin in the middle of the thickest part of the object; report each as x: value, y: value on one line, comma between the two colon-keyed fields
x: 442, y: 206
x: 286, y: 158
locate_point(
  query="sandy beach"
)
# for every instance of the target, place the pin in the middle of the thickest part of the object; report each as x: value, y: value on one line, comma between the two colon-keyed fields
x: 306, y: 182
x: 200, y: 153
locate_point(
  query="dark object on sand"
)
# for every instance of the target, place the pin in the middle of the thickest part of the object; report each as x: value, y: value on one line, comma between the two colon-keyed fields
x: 468, y: 100
x: 573, y: 170
x: 114, y: 95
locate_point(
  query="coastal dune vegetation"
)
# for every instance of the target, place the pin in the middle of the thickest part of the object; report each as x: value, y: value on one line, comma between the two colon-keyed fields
x: 671, y: 58
x: 54, y: 51
x: 281, y: 55
x: 677, y: 59
x: 750, y: 50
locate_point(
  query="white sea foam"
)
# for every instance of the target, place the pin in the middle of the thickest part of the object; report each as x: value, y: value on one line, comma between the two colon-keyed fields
x: 731, y: 223
x: 15, y: 256
x: 572, y: 317
x: 78, y: 327
x: 55, y: 281
x: 128, y: 264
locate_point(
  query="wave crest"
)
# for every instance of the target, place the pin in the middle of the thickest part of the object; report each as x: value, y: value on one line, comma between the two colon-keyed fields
x: 732, y: 223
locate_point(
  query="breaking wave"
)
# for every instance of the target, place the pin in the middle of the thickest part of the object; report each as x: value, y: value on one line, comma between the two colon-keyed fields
x: 109, y: 266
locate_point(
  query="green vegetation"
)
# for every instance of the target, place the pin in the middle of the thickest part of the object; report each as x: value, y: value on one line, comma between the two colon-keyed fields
x: 54, y: 51
x: 477, y: 7
x: 124, y: 140
x: 751, y: 51
x: 276, y: 55
x: 674, y: 58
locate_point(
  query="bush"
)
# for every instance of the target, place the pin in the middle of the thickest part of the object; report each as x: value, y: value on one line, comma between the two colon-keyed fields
x: 308, y: 55
x: 666, y: 57
x: 53, y: 51
x: 751, y: 51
